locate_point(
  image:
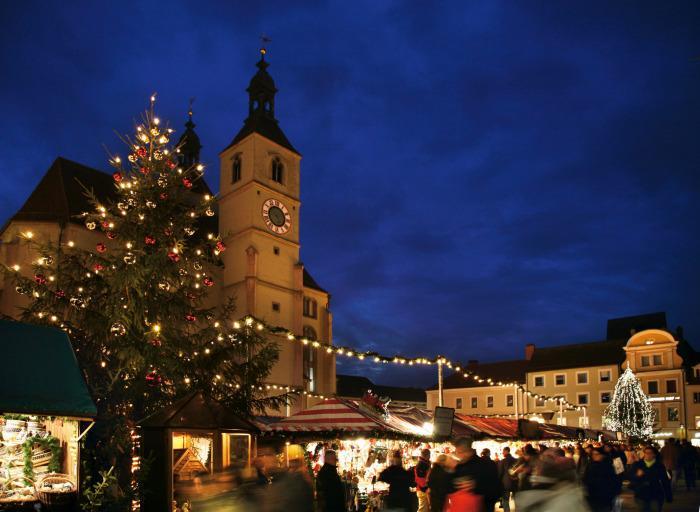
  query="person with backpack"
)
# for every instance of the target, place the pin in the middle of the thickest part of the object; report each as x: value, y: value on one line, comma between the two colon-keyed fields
x: 421, y: 471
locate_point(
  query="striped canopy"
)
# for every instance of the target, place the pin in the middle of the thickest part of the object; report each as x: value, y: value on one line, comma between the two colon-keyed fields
x: 331, y: 414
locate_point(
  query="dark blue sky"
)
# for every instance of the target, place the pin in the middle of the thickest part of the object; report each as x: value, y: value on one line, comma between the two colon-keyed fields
x: 476, y: 175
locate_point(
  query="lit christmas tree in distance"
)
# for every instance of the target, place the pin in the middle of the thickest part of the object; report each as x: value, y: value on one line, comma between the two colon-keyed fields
x: 629, y: 411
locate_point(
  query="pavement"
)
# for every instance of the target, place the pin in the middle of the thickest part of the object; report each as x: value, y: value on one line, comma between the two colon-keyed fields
x: 683, y: 501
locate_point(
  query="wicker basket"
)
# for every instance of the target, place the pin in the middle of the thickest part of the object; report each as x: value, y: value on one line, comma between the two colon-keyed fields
x: 63, y: 493
x: 15, y: 494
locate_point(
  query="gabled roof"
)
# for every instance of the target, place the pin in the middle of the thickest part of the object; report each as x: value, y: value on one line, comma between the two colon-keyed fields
x: 40, y: 374
x: 194, y: 411
x: 624, y: 327
x: 61, y: 194
x: 578, y: 355
x: 310, y: 282
x: 503, y: 371
x: 353, y: 386
x: 265, y: 126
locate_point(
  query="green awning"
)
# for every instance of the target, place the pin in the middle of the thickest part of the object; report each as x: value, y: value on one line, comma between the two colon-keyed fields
x: 39, y: 373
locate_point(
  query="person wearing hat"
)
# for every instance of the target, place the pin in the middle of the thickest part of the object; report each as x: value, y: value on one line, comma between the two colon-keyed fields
x: 438, y: 482
x: 329, y: 487
x: 400, y: 482
x: 601, y: 482
x: 467, y: 486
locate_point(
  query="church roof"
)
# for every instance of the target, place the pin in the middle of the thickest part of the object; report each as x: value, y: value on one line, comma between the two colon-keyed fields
x: 268, y: 128
x: 624, y: 327
x: 310, y: 282
x: 578, y: 355
x: 61, y: 196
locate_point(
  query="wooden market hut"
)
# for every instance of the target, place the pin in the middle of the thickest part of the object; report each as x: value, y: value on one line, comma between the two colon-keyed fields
x: 196, y: 446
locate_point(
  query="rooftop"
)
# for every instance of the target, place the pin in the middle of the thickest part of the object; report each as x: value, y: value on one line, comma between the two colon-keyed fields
x: 501, y: 371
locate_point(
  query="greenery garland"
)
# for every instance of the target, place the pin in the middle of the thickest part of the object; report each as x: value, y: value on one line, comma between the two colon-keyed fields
x: 49, y: 443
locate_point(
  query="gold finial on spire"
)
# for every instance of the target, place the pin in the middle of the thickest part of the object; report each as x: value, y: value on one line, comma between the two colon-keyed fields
x: 264, y: 40
x: 189, y: 108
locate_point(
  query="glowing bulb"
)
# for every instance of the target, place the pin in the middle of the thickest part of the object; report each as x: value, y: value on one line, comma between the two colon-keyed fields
x: 15, y: 267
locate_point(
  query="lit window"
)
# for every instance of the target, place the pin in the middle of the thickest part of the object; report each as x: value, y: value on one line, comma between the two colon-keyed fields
x: 539, y: 402
x: 582, y: 378
x: 475, y: 402
x: 605, y: 397
x: 277, y: 170
x: 509, y: 400
x: 310, y: 333
x: 489, y: 401
x: 236, y: 169
x: 653, y: 387
x: 539, y: 381
x: 696, y: 398
x: 672, y: 413
x: 657, y: 360
x: 560, y: 379
x: 309, y: 369
x: 605, y: 376
x: 645, y: 360
x: 458, y: 403
x: 582, y: 398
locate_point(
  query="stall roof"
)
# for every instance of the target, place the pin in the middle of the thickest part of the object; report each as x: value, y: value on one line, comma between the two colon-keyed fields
x: 332, y: 414
x: 490, y: 427
x: 196, y: 412
x: 40, y: 374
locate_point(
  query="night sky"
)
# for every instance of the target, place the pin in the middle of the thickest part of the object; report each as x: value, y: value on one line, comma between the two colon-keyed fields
x: 475, y: 177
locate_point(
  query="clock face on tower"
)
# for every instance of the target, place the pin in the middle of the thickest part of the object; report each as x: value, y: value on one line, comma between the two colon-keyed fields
x: 276, y: 216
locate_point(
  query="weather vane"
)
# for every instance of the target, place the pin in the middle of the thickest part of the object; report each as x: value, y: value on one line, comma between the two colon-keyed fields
x: 264, y: 40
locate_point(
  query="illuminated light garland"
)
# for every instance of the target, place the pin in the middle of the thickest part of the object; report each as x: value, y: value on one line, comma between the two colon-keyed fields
x: 629, y: 410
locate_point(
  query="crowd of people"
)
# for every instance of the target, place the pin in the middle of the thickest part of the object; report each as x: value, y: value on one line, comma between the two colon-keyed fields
x: 585, y: 477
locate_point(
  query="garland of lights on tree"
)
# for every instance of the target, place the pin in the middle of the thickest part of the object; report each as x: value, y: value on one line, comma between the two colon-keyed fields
x: 629, y: 410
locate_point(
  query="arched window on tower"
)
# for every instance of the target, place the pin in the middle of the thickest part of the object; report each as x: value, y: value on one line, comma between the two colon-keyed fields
x: 236, y: 169
x: 310, y: 372
x: 277, y: 170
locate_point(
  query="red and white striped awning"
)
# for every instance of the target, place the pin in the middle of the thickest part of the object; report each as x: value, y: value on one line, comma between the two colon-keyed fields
x: 329, y: 415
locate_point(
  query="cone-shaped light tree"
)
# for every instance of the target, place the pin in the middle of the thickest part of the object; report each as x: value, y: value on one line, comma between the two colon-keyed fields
x: 136, y: 304
x: 629, y: 410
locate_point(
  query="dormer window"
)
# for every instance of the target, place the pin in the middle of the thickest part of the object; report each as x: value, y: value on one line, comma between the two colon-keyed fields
x: 277, y: 170
x: 236, y: 169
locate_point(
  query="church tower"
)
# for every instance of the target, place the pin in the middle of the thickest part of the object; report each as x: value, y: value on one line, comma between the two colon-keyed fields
x: 259, y: 207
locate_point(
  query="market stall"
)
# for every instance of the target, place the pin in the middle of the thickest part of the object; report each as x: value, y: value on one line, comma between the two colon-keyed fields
x: 199, y: 451
x: 43, y: 401
x: 362, y: 433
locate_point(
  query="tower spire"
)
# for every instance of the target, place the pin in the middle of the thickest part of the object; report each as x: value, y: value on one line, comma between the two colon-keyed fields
x: 189, y: 144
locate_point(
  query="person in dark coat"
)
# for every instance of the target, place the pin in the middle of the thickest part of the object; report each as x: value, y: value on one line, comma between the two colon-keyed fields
x: 420, y: 476
x: 492, y: 484
x: 438, y: 482
x: 650, y: 482
x: 400, y: 482
x: 689, y: 457
x: 601, y: 482
x: 508, y: 483
x: 468, y: 475
x: 329, y: 488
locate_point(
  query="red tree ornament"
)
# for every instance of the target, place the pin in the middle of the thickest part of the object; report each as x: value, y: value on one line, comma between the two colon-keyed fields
x: 149, y: 240
x: 97, y: 267
x: 101, y: 247
x: 117, y: 177
x: 208, y: 281
x: 174, y: 257
x: 40, y: 279
x: 153, y: 379
x: 141, y: 152
x: 220, y: 246
x: 190, y: 317
x: 163, y: 196
x: 111, y: 235
x: 144, y: 170
x: 60, y: 294
x: 187, y: 182
x: 171, y: 164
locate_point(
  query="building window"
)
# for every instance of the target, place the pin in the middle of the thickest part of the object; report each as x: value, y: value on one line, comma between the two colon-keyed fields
x: 509, y: 400
x: 539, y: 402
x: 645, y: 360
x: 671, y: 386
x: 697, y: 422
x: 277, y: 170
x: 582, y: 378
x: 657, y: 414
x: 309, y: 367
x: 605, y: 375
x: 696, y: 398
x: 310, y: 307
x: 582, y: 398
x: 475, y: 402
x: 276, y: 251
x: 310, y: 333
x: 276, y: 307
x: 236, y: 169
x: 697, y: 372
x: 605, y: 397
x: 539, y: 381
x: 653, y: 387
x: 489, y: 401
x: 458, y: 403
x: 672, y: 413
x: 656, y: 359
x: 560, y: 380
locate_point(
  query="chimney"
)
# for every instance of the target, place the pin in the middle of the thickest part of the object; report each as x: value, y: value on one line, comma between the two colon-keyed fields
x: 529, y: 351
x: 472, y: 364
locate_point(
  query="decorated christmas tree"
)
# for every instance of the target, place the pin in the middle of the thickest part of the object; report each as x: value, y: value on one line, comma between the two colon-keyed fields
x: 136, y: 304
x: 629, y: 410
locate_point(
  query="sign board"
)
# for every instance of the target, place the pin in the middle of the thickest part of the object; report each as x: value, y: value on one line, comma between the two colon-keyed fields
x: 442, y: 421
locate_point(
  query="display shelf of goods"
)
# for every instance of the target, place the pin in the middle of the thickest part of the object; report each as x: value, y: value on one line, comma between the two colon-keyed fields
x: 56, y: 490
